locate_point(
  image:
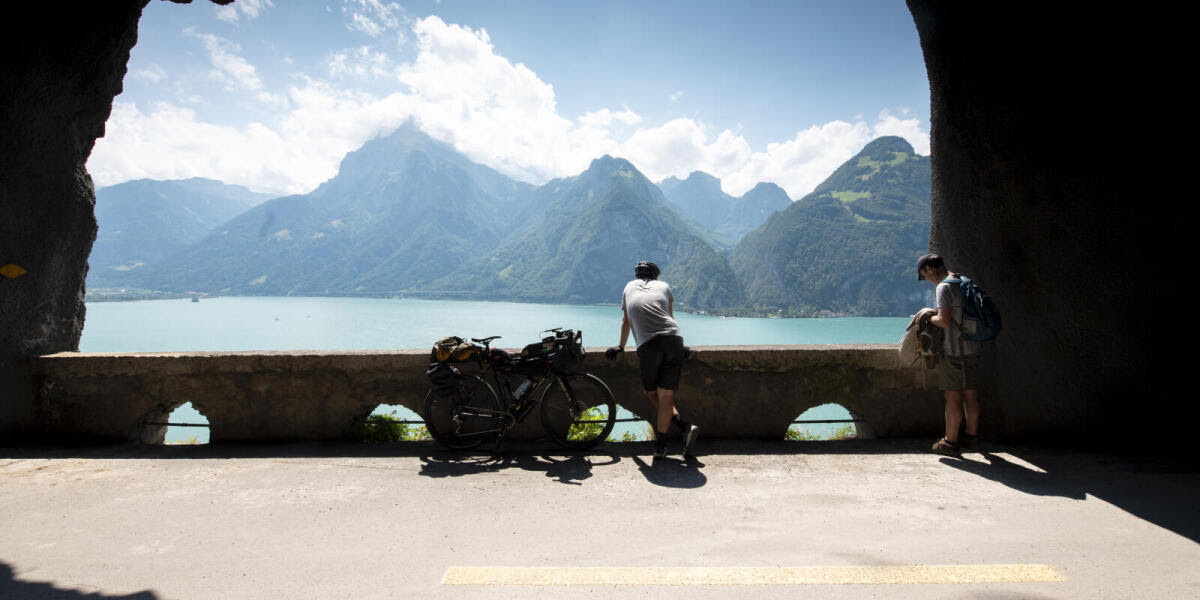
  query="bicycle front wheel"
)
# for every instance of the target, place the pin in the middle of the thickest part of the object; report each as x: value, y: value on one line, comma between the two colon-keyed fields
x: 578, y: 411
x: 465, y: 418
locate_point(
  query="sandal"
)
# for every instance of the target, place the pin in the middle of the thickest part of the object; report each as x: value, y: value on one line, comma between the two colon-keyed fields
x: 946, y: 447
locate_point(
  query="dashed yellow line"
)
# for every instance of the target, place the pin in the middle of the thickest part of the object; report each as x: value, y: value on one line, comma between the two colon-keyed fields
x: 606, y: 576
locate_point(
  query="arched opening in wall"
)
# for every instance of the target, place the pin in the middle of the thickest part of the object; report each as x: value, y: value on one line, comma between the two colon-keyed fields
x: 630, y: 427
x: 394, y: 423
x: 824, y: 422
x: 184, y: 426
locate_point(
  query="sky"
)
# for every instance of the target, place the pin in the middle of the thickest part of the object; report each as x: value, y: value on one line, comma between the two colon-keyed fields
x: 272, y: 94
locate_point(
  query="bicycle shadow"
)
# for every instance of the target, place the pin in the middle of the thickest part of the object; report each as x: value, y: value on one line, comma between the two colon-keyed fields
x: 672, y: 472
x: 571, y: 469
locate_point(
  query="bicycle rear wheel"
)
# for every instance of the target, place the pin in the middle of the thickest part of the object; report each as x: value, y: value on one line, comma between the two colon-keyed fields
x: 465, y: 418
x: 578, y: 411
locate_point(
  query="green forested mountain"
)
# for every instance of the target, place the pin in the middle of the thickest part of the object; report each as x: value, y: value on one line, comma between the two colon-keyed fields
x: 727, y: 218
x: 141, y: 222
x: 409, y: 215
x: 849, y: 246
x: 595, y: 228
x: 403, y: 210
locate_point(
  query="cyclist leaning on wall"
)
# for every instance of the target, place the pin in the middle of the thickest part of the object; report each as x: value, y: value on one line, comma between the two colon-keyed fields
x: 648, y: 310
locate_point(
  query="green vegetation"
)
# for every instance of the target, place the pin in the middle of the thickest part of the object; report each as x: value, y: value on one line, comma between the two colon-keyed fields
x: 854, y: 258
x: 848, y: 196
x: 586, y: 431
x: 381, y: 428
x: 797, y: 433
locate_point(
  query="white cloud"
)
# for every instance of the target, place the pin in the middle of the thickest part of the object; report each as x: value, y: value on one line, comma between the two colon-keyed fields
x: 229, y: 68
x: 152, y: 73
x: 606, y: 118
x: 362, y: 62
x: 251, y: 9
x: 372, y: 17
x: 461, y: 91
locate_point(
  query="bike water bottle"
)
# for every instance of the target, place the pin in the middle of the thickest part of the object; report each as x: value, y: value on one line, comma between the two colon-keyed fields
x: 521, y: 389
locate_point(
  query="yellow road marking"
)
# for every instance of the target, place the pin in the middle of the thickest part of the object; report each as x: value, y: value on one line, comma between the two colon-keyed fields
x: 606, y: 576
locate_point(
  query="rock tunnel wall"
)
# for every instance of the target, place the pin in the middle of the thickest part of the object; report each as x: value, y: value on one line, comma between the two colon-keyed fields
x: 62, y: 66
x: 1039, y: 197
x: 742, y: 391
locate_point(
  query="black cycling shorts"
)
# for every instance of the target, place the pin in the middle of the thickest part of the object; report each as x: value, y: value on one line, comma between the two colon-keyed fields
x: 661, y: 361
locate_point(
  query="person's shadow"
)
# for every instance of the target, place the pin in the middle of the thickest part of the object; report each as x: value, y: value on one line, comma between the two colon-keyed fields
x: 672, y: 472
x: 13, y: 589
x: 1018, y: 477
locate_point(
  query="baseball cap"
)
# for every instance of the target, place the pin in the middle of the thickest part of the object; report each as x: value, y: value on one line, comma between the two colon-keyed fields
x: 925, y: 260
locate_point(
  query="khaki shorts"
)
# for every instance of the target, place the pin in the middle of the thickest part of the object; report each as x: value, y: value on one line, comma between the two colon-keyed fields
x: 958, y: 372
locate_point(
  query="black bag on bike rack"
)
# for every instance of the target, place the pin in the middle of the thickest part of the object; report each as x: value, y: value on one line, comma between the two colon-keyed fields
x: 444, y: 379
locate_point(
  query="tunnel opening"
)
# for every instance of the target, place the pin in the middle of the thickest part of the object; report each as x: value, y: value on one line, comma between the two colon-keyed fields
x: 394, y: 423
x: 827, y: 422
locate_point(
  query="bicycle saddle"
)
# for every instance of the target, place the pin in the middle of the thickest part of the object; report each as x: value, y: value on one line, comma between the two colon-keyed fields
x: 485, y: 340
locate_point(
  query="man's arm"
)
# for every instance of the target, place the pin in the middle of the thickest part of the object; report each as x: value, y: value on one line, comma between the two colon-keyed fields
x: 942, y: 318
x: 624, y: 329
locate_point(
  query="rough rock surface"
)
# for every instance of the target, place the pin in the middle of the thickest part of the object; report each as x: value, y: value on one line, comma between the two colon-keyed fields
x: 62, y: 68
x: 1045, y: 205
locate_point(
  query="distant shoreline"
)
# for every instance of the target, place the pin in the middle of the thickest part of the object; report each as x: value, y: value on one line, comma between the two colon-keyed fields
x: 127, y: 295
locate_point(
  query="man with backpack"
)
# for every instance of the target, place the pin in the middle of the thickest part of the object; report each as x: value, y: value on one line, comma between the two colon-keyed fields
x: 958, y: 370
x: 648, y: 310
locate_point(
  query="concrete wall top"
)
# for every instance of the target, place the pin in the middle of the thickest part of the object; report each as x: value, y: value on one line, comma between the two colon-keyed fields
x: 731, y: 391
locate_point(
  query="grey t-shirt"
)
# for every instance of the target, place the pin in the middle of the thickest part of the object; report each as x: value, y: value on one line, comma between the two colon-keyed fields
x: 953, y: 342
x: 648, y: 305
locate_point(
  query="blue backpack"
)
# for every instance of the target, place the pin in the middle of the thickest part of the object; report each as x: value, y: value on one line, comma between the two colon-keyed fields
x: 980, y: 307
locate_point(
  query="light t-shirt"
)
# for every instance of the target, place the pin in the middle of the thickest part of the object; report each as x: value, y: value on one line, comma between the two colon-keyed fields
x: 948, y: 294
x: 648, y: 305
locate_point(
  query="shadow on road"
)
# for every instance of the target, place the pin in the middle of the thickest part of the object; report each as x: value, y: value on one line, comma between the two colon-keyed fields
x: 12, y: 588
x: 672, y: 472
x: 571, y: 469
x: 1158, y: 489
x: 1018, y: 477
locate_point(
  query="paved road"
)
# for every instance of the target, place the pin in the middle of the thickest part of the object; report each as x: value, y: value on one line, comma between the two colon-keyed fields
x: 409, y: 521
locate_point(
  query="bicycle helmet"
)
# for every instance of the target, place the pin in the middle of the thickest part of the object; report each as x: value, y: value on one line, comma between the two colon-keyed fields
x: 646, y: 270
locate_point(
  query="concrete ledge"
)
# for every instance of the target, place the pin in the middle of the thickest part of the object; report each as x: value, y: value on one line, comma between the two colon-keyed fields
x: 730, y: 391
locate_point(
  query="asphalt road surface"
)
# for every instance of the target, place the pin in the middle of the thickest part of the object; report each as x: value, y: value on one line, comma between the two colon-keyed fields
x: 858, y: 519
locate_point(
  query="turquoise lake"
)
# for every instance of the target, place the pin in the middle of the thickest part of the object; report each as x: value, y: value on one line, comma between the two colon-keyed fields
x: 275, y: 323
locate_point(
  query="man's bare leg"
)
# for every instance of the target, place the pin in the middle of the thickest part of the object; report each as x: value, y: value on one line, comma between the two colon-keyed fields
x: 971, y: 402
x: 666, y: 409
x: 954, y: 414
x: 652, y: 396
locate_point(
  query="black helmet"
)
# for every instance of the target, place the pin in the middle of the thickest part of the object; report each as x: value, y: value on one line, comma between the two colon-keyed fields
x: 646, y: 270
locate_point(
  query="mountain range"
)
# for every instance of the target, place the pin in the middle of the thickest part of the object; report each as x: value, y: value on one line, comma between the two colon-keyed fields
x: 700, y: 197
x: 144, y: 221
x: 409, y: 215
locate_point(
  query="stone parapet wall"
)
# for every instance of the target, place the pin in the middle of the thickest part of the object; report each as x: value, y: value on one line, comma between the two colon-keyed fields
x: 730, y: 391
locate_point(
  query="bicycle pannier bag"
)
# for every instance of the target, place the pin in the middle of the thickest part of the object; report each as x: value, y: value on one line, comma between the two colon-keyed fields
x: 453, y: 349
